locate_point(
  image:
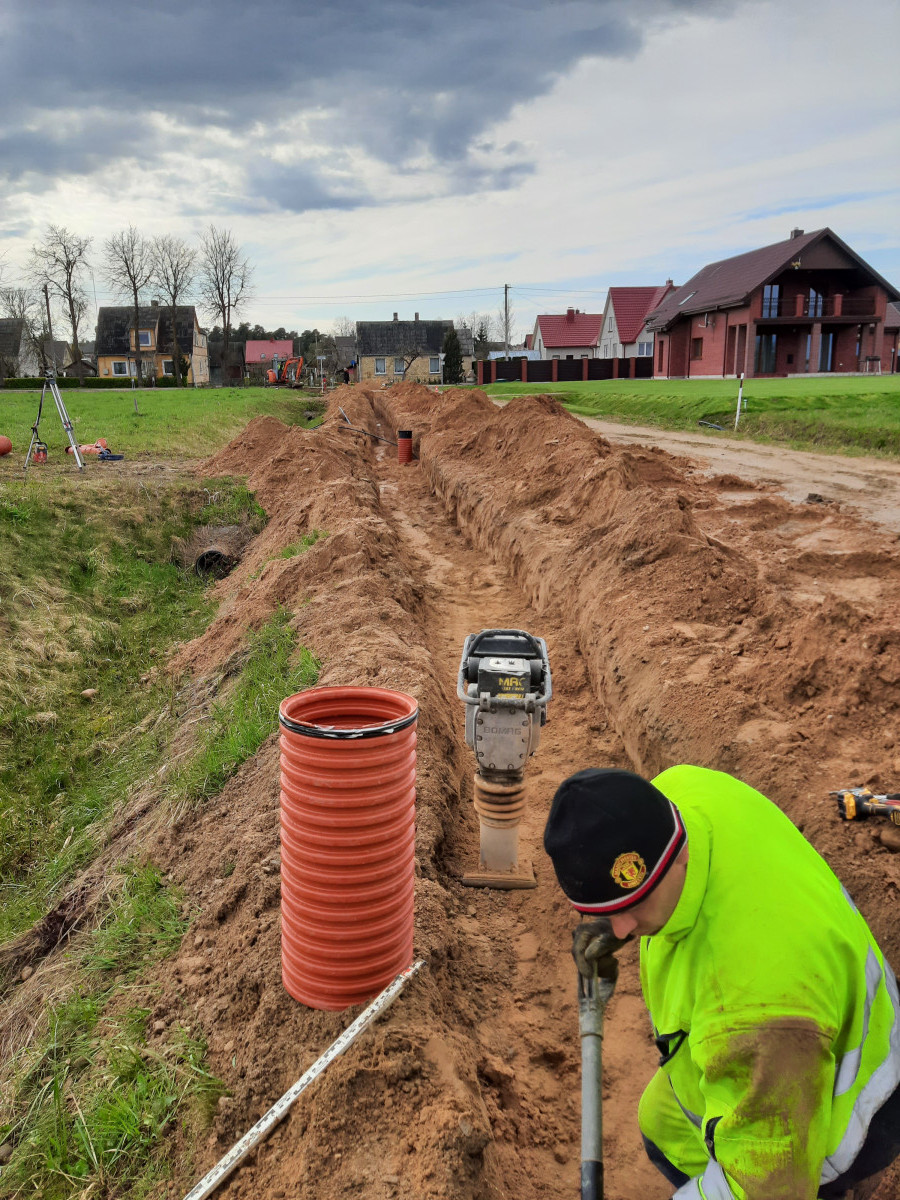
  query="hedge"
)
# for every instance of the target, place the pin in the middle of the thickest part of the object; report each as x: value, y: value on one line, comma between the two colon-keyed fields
x: 24, y: 384
x: 120, y: 381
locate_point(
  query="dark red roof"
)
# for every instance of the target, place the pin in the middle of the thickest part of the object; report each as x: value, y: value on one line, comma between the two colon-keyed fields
x: 262, y: 352
x: 731, y: 282
x: 892, y: 317
x: 631, y: 305
x: 572, y: 328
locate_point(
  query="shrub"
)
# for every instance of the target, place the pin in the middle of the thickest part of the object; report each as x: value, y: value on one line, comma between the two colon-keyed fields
x: 28, y: 384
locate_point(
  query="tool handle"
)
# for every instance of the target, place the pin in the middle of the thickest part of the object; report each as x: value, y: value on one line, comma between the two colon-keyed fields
x: 590, y: 1018
x: 592, y: 1181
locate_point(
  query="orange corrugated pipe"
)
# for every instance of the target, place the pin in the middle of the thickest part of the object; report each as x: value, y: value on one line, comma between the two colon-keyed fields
x: 348, y: 789
x: 404, y: 445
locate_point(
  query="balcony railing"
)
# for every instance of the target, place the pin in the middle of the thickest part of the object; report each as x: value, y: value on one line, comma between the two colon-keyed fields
x: 814, y: 308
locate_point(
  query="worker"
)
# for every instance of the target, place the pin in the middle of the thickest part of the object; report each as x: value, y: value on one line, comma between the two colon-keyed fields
x: 775, y: 1014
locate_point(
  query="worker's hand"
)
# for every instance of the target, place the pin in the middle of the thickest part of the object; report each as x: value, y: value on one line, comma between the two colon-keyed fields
x: 593, y: 942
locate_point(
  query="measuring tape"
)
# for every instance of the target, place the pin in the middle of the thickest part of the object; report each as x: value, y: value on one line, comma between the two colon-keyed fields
x: 279, y: 1109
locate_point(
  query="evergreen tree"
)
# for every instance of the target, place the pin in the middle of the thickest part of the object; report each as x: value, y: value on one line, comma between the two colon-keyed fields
x: 453, y: 363
x: 482, y: 338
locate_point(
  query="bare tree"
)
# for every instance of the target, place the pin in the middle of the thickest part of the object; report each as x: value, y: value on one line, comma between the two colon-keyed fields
x: 479, y: 325
x: 57, y: 266
x: 128, y: 266
x: 174, y: 272
x: 225, y: 279
x: 343, y: 327
x: 25, y: 305
x: 505, y: 325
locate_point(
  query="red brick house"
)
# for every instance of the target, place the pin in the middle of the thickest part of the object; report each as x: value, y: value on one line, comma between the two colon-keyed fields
x: 890, y: 350
x: 807, y: 305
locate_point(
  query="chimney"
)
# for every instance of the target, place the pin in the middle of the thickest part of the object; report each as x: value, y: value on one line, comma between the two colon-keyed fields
x: 417, y: 316
x: 669, y: 283
x: 570, y: 314
x: 795, y: 233
x: 395, y: 316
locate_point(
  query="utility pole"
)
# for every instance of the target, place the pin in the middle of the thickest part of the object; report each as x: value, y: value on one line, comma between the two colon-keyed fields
x: 45, y: 289
x: 506, y: 319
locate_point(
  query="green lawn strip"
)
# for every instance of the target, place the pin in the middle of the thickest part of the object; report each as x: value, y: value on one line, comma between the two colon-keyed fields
x: 87, y: 1104
x: 854, y: 415
x: 88, y: 600
x: 182, y: 423
x: 247, y: 714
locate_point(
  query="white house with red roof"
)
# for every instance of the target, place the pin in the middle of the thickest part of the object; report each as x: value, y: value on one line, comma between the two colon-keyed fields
x: 622, y: 334
x: 573, y: 334
x: 261, y: 353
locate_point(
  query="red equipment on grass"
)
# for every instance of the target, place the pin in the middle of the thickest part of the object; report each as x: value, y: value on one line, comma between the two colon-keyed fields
x: 287, y: 375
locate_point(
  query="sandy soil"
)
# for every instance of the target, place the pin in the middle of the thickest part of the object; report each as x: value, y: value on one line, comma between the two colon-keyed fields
x: 866, y: 487
x: 692, y: 613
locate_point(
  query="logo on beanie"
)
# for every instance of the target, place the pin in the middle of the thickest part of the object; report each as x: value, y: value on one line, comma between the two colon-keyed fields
x: 629, y: 870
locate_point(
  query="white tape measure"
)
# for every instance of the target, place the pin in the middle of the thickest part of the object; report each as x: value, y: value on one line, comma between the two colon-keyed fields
x: 279, y: 1109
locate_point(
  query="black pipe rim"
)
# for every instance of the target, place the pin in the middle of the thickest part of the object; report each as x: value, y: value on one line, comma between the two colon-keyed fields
x: 315, y: 731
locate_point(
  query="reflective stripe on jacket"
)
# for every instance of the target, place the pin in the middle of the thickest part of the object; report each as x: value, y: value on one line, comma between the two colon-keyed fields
x: 777, y: 1018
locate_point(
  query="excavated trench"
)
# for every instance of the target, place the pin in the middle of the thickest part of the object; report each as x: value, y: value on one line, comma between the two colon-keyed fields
x: 687, y: 619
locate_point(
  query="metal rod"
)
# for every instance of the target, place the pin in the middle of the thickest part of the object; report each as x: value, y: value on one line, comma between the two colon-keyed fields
x: 591, y: 1008
x: 280, y: 1108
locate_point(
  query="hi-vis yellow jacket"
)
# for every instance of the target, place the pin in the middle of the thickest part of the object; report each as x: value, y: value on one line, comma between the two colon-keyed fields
x: 777, y: 1018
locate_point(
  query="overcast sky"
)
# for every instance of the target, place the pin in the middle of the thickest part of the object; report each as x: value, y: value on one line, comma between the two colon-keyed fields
x: 415, y: 155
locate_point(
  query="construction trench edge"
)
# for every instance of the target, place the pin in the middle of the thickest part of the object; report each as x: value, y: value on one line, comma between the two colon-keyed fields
x: 688, y: 619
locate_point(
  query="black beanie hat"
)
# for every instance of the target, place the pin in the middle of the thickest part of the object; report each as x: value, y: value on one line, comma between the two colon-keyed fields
x: 612, y: 836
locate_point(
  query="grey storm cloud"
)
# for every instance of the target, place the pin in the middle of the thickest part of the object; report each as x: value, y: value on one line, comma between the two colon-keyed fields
x: 395, y: 80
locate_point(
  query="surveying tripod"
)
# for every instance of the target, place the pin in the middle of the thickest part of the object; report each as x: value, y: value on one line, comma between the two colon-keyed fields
x: 51, y: 386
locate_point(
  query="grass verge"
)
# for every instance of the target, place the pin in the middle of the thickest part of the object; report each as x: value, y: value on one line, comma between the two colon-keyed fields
x: 846, y: 414
x: 247, y: 715
x: 89, y: 605
x: 181, y: 423
x: 87, y: 1105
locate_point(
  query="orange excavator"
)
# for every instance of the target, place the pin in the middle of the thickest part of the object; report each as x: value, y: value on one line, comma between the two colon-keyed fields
x: 285, y: 375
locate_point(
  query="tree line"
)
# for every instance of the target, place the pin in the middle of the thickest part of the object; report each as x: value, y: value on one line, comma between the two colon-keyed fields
x: 216, y: 274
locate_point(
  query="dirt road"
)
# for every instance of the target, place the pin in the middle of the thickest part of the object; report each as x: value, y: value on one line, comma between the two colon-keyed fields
x: 866, y: 487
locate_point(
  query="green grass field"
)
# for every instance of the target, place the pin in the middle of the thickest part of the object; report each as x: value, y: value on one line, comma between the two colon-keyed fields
x: 846, y: 414
x: 183, y: 423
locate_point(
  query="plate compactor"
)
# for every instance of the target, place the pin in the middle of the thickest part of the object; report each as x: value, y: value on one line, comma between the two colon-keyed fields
x: 504, y: 681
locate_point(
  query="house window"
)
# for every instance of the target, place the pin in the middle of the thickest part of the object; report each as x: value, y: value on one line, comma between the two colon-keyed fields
x: 645, y: 349
x: 771, y: 294
x: 168, y: 366
x: 399, y: 366
x: 696, y: 348
x: 816, y: 303
x: 826, y: 352
x: 120, y: 368
x: 380, y: 368
x: 584, y: 356
x: 434, y: 365
x: 660, y: 367
x: 556, y: 358
x: 145, y: 338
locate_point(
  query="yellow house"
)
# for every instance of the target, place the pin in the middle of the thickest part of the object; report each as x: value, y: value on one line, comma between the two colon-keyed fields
x: 117, y: 343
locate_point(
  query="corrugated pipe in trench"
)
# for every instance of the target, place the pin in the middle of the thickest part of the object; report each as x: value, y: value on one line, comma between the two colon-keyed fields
x: 348, y: 787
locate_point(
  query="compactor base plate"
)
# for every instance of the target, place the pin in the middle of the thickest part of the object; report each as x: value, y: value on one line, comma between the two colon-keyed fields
x: 504, y: 881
